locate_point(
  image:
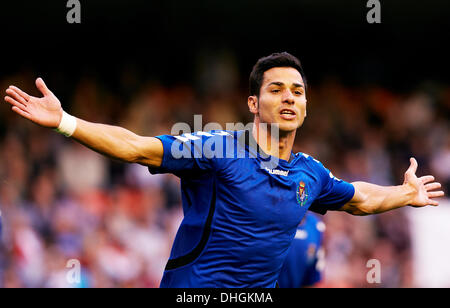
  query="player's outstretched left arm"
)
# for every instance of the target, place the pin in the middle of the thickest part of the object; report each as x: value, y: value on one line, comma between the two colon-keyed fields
x: 374, y: 199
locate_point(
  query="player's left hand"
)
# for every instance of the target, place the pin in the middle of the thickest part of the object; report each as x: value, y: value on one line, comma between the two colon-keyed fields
x: 424, y: 188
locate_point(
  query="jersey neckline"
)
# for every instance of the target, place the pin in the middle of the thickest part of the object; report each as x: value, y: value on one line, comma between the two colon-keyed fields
x: 246, y: 139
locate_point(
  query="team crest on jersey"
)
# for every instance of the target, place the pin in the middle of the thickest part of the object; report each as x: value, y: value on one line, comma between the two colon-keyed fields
x: 302, y: 194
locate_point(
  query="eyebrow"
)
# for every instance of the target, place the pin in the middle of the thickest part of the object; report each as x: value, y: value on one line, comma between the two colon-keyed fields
x: 279, y: 83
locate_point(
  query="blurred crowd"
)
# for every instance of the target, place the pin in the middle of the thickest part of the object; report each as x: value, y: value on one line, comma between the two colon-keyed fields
x: 61, y: 201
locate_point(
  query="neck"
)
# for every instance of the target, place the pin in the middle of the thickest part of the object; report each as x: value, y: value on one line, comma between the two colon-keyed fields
x: 273, y: 141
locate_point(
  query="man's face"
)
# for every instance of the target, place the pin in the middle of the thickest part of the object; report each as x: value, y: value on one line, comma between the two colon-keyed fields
x: 282, y: 99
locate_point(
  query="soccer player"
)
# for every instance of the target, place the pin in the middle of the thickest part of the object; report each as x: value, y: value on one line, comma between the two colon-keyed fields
x: 305, y: 261
x: 243, y: 192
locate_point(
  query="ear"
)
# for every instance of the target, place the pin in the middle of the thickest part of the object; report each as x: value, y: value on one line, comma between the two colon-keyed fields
x: 252, y: 102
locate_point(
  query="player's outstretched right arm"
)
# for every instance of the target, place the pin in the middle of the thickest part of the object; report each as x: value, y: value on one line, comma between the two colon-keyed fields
x: 112, y: 141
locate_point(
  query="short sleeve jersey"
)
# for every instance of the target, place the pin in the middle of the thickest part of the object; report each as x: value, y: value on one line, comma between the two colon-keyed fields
x: 241, y: 208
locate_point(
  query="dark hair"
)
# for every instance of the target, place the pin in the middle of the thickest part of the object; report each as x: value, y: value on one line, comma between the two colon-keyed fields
x: 278, y: 59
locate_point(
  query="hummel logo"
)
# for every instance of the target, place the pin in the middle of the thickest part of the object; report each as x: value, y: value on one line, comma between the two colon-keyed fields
x: 277, y: 172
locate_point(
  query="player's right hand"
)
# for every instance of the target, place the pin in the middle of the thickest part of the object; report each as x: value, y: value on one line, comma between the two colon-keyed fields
x: 45, y: 111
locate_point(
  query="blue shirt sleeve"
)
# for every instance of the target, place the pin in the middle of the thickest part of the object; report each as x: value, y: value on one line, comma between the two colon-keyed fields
x: 334, y: 192
x: 189, y: 154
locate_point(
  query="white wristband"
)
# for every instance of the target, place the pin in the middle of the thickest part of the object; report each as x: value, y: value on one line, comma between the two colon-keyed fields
x: 67, y: 125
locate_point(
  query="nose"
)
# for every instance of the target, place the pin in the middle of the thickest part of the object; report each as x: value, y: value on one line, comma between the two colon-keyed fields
x: 287, y: 97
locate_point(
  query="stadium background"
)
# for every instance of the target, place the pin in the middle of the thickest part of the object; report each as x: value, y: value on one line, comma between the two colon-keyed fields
x: 377, y: 95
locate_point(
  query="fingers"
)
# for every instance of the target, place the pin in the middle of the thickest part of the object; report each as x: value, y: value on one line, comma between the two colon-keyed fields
x: 431, y: 189
x: 21, y: 112
x: 18, y: 102
x: 433, y: 186
x: 18, y: 107
x: 435, y: 194
x: 15, y: 103
x: 16, y: 96
x: 19, y: 92
x: 431, y: 193
x: 427, y: 179
x: 40, y: 84
x: 433, y: 202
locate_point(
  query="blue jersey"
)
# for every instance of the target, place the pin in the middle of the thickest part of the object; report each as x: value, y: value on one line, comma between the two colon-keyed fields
x: 241, y: 211
x: 304, y: 263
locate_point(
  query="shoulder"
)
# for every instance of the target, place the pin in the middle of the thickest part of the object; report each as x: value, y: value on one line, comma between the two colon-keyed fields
x: 203, y: 136
x: 317, y: 166
x: 307, y: 158
x: 197, y: 140
x: 313, y: 164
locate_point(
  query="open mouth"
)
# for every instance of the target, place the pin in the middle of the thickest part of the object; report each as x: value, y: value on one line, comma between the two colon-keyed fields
x: 287, y: 114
